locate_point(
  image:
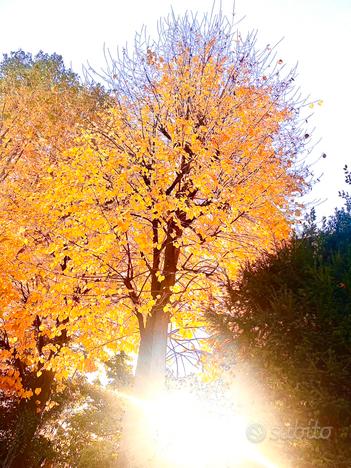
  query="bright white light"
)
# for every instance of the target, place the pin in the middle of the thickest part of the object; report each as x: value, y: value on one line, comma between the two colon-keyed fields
x: 188, y: 432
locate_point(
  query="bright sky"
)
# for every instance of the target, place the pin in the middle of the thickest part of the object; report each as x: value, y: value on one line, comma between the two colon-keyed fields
x: 317, y: 35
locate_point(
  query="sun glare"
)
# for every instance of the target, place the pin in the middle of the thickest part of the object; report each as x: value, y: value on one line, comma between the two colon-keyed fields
x: 191, y: 432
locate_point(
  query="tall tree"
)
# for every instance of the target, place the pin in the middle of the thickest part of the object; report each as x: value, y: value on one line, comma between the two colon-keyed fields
x: 192, y: 168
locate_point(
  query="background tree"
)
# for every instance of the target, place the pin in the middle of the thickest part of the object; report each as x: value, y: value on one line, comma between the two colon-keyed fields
x: 289, y: 315
x: 83, y: 426
x: 43, y: 105
x: 88, y: 431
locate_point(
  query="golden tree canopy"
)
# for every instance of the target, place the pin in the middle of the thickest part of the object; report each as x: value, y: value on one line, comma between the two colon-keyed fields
x: 191, y: 168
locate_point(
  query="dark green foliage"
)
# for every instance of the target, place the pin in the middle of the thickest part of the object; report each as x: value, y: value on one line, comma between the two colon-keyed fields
x: 23, y: 68
x: 345, y: 195
x: 82, y: 429
x: 290, y: 315
x: 86, y: 430
x: 8, y: 417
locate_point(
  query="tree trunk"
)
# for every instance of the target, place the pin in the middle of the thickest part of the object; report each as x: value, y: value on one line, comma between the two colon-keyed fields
x: 138, y: 445
x: 151, y: 366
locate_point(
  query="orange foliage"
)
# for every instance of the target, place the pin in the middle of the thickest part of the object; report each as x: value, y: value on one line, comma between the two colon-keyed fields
x: 108, y: 218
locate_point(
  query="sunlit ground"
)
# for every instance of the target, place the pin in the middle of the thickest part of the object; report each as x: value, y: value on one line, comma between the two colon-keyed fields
x: 188, y: 431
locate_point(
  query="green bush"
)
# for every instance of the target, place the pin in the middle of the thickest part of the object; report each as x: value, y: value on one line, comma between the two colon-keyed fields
x: 290, y: 314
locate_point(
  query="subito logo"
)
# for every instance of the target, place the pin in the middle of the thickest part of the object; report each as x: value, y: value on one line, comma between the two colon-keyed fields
x: 256, y: 433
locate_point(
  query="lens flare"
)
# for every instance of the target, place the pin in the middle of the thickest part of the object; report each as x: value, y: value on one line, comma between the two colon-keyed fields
x: 191, y: 432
